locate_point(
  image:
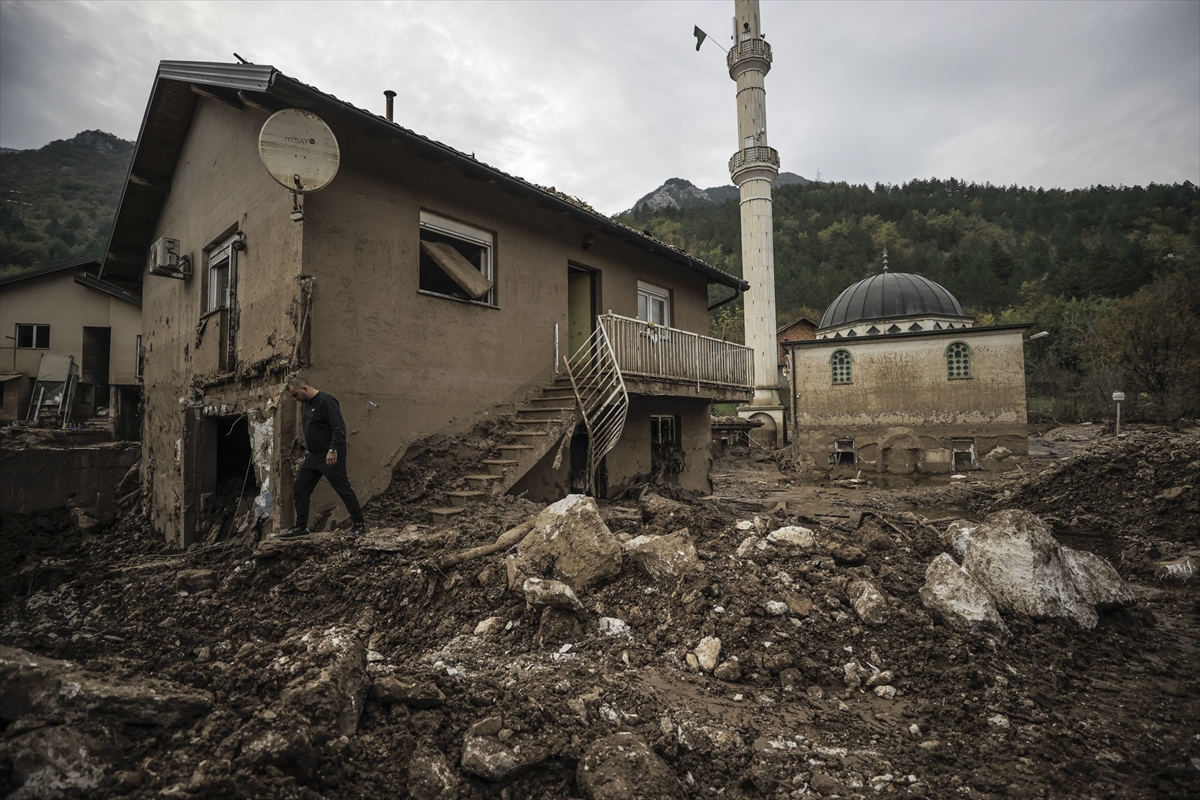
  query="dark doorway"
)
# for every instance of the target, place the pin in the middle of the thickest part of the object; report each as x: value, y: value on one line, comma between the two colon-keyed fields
x: 96, y: 343
x: 843, y: 454
x: 579, y: 463
x: 963, y: 451
x: 235, y: 469
x: 581, y: 308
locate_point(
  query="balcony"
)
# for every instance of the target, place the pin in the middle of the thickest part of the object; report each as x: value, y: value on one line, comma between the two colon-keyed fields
x: 754, y: 157
x: 746, y: 50
x: 657, y: 360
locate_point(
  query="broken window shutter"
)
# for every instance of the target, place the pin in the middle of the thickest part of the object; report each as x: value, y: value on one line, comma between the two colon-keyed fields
x: 458, y: 268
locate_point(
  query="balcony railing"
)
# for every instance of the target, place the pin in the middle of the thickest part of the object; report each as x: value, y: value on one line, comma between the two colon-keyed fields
x: 749, y: 48
x: 652, y: 352
x: 752, y: 156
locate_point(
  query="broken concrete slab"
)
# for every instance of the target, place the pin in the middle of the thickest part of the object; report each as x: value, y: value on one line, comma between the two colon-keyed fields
x: 958, y: 599
x: 664, y: 557
x: 572, y: 537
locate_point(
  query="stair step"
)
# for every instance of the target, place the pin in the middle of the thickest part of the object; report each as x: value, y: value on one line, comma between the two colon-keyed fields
x: 463, y: 499
x: 497, y: 466
x: 515, y: 447
x: 484, y: 483
x: 443, y: 514
x: 529, y: 433
x: 544, y: 409
x: 542, y: 422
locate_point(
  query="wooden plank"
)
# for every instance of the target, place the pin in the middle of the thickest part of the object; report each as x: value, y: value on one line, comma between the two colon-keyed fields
x: 458, y: 268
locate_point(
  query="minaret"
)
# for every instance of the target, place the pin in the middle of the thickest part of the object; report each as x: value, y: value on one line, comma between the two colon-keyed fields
x: 754, y: 168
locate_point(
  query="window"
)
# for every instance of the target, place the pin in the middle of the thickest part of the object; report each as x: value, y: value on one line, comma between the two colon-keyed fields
x: 873, y: 331
x: 963, y: 454
x: 220, y: 268
x: 457, y: 260
x: 916, y: 326
x: 894, y: 329
x: 666, y: 451
x: 34, y: 337
x: 841, y: 361
x: 654, y: 304
x: 664, y: 429
x: 958, y: 360
x: 139, y: 358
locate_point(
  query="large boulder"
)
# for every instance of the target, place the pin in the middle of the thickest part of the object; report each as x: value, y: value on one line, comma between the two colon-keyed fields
x: 1097, y: 581
x: 571, y: 539
x: 330, y: 683
x: 1013, y: 555
x: 430, y: 776
x: 662, y: 557
x: 963, y: 605
x: 623, y: 767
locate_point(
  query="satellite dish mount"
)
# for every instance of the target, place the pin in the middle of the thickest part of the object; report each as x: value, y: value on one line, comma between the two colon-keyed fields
x: 300, y: 152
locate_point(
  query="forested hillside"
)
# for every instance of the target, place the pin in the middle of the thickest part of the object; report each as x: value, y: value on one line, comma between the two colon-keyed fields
x: 60, y: 199
x: 1112, y: 273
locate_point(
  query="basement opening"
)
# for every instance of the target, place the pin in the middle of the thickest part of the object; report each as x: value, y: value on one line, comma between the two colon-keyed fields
x: 666, y: 445
x: 962, y: 454
x: 843, y: 454
x: 232, y: 482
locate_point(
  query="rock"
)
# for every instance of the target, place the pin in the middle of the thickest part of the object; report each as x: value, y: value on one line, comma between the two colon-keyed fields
x: 516, y: 571
x: 1014, y: 557
x: 611, y: 626
x: 850, y: 675
x: 287, y: 748
x: 729, y: 671
x: 489, y: 626
x: 958, y: 599
x: 52, y: 760
x: 744, y: 525
x: 815, y: 693
x: 800, y: 606
x: 881, y: 678
x: 557, y: 627
x: 1177, y: 570
x: 555, y: 594
x: 789, y: 679
x: 776, y: 663
x: 663, y: 557
x: 331, y: 682
x: 486, y: 757
x: 1097, y: 581
x: 749, y: 545
x: 795, y: 537
x: 999, y: 721
x: 623, y: 767
x: 708, y: 652
x: 955, y: 537
x: 845, y: 555
x: 61, y: 691
x: 775, y: 608
x: 868, y: 603
x: 419, y: 693
x: 655, y: 504
x: 871, y: 537
x: 825, y: 785
x: 998, y: 453
x: 571, y: 536
x: 489, y: 726
x: 195, y: 580
x: 886, y: 692
x: 430, y: 776
x: 692, y: 662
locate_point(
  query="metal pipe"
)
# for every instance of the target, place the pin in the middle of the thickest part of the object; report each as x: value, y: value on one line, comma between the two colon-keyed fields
x: 390, y: 95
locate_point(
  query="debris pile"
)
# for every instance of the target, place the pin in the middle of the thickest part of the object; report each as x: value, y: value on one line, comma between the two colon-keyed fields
x: 658, y: 647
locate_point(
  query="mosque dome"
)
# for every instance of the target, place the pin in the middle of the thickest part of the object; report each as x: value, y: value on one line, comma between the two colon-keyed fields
x: 888, y: 296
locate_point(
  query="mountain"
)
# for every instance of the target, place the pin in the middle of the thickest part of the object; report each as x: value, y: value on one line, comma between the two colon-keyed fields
x: 60, y: 199
x: 680, y: 193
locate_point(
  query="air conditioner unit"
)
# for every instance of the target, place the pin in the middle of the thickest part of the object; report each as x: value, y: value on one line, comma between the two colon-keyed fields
x: 166, y: 261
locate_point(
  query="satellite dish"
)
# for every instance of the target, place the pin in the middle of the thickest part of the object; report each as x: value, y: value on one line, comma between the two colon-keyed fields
x: 299, y: 150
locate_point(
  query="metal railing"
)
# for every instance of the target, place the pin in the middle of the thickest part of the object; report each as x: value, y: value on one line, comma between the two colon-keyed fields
x: 600, y: 392
x: 754, y: 155
x: 748, y: 48
x: 654, y: 352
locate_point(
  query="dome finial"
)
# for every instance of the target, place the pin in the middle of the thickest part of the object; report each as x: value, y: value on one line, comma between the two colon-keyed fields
x: 885, y: 259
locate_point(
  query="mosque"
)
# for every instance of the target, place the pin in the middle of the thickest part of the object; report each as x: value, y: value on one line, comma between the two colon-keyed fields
x: 899, y: 379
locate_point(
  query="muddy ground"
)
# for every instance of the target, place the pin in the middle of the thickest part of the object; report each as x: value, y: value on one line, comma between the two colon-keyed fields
x: 231, y: 662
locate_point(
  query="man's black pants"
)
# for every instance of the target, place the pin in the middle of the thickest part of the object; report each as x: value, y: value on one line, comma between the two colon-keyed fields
x: 309, y: 475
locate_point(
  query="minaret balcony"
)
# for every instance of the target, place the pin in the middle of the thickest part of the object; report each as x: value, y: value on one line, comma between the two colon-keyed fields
x: 748, y: 50
x: 754, y: 158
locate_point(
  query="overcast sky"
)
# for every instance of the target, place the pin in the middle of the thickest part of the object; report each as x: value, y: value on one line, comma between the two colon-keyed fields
x: 606, y: 100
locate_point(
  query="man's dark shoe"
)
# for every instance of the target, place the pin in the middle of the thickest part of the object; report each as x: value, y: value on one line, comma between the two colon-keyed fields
x: 294, y: 533
x: 358, y: 530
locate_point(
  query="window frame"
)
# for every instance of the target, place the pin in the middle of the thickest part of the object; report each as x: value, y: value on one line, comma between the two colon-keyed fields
x: 35, y: 327
x: 139, y: 359
x: 465, y: 232
x: 967, y: 352
x: 223, y: 258
x: 848, y: 365
x: 652, y: 292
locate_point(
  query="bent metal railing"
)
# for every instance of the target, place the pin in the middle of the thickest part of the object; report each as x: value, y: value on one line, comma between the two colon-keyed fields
x: 654, y: 352
x: 600, y: 393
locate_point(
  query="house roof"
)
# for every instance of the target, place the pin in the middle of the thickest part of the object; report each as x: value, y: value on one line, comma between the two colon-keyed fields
x: 783, y: 328
x: 960, y: 333
x: 90, y: 263
x: 177, y: 89
x: 890, y: 295
x: 92, y: 282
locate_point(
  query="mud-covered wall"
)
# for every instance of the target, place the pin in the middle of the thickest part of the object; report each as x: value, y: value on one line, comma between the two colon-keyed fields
x: 901, y: 408
x: 219, y: 186
x: 631, y: 461
x: 67, y: 307
x: 404, y: 364
x: 37, y: 478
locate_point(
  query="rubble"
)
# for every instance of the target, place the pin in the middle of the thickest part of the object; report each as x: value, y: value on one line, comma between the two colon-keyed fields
x: 664, y: 557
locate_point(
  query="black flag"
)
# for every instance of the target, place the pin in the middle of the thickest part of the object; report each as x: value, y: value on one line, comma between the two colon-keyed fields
x: 700, y: 36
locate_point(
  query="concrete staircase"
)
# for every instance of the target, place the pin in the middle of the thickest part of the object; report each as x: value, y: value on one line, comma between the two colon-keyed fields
x: 541, y: 424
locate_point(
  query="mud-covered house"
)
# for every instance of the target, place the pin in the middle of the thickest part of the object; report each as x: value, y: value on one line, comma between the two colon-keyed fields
x: 899, y: 379
x: 426, y: 290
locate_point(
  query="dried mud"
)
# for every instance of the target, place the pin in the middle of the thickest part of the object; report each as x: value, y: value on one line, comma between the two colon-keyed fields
x: 1057, y: 712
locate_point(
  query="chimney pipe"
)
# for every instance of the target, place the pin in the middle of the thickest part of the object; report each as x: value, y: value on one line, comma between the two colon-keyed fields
x: 390, y: 95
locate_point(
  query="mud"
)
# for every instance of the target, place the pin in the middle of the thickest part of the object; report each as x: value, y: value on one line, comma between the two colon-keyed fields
x: 330, y: 667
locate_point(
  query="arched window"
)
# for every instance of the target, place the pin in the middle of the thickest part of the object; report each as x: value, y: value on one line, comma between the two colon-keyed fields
x: 958, y: 360
x: 841, y: 361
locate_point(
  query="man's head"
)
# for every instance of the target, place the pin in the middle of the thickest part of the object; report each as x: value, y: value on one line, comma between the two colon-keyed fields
x: 300, y: 389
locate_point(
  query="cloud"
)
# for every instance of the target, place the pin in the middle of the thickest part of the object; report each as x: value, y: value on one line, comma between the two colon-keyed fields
x: 605, y: 100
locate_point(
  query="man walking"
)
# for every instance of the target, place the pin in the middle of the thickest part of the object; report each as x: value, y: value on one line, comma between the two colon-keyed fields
x: 325, y: 445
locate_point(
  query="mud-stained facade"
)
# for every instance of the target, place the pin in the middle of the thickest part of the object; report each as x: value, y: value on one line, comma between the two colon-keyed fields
x: 932, y: 401
x: 344, y: 297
